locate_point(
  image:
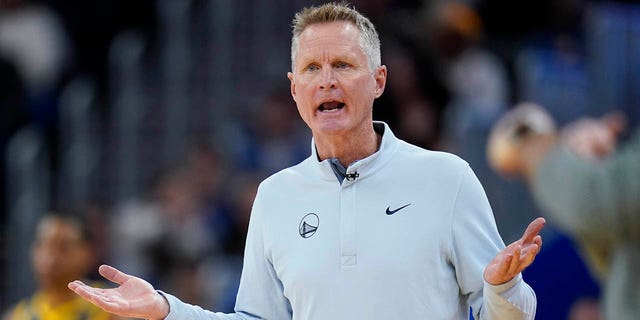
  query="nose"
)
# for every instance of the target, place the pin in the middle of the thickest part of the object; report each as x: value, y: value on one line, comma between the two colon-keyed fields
x: 328, y: 80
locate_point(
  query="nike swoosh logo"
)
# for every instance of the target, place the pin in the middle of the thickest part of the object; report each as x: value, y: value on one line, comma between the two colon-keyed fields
x: 390, y: 212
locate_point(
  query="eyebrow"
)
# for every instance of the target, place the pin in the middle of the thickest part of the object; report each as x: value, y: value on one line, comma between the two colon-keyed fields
x: 349, y: 58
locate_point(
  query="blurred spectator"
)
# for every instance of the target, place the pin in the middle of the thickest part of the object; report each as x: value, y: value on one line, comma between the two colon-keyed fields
x: 12, y: 117
x: 282, y: 138
x: 34, y: 43
x: 588, y: 186
x: 206, y: 168
x: 415, y: 113
x: 205, y: 165
x: 166, y: 236
x: 32, y: 36
x: 223, y: 271
x: 585, y: 309
x: 12, y: 114
x: 93, y: 25
x: 475, y: 77
x: 415, y: 94
x: 172, y: 216
x: 33, y: 39
x: 274, y: 139
x: 188, y: 235
x: 62, y: 251
x: 550, y: 66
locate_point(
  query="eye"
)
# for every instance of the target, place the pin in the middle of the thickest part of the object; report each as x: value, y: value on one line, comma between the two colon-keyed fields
x: 312, y: 67
x: 342, y: 65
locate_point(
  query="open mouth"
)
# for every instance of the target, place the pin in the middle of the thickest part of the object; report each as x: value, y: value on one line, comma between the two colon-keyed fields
x: 332, y: 106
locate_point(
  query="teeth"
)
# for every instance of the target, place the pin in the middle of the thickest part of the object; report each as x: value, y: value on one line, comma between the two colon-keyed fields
x: 331, y: 106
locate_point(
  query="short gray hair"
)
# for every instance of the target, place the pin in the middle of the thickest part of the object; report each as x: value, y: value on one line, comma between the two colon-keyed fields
x: 332, y: 12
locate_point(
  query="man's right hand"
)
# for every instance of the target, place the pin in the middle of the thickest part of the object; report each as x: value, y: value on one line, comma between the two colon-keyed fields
x: 134, y: 297
x: 594, y: 138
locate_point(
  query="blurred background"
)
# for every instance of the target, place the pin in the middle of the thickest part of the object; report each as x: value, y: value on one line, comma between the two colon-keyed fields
x: 158, y: 118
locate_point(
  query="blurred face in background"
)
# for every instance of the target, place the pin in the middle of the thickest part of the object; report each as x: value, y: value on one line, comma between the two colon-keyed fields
x: 59, y: 253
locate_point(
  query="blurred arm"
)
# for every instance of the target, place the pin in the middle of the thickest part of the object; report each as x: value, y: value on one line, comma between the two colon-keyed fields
x: 585, y: 196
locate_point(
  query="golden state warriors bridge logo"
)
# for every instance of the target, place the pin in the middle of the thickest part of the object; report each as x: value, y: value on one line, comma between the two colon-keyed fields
x: 309, y: 225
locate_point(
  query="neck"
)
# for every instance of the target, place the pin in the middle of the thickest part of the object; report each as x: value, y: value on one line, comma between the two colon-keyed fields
x: 348, y: 148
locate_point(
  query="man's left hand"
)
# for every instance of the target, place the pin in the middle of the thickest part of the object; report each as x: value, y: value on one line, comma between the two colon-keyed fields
x: 517, y: 256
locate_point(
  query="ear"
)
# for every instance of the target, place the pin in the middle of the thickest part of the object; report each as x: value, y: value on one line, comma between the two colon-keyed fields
x: 293, y: 85
x: 380, y: 76
x: 505, y: 147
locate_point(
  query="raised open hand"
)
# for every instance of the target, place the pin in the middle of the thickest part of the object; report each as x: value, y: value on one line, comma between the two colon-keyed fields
x: 594, y: 138
x: 134, y: 297
x: 516, y: 256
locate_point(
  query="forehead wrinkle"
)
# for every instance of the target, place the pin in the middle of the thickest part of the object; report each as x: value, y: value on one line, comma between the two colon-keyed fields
x: 312, y: 37
x: 346, y: 55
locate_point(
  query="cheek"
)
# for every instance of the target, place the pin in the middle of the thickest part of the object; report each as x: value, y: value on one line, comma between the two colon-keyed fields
x: 362, y: 95
x: 303, y: 99
x: 304, y: 112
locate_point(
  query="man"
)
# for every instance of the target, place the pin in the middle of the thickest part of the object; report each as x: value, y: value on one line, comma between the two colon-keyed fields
x: 588, y: 186
x: 367, y: 227
x: 61, y: 252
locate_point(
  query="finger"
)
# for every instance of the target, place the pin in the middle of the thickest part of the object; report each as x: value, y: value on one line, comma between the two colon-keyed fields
x: 86, y: 292
x: 97, y: 297
x: 514, y: 264
x: 532, y: 230
x: 113, y: 274
x: 528, y: 257
x: 73, y: 285
x: 616, y: 121
x: 496, y: 273
x: 603, y: 141
x: 504, y: 263
x: 535, y: 244
x: 529, y: 253
x: 537, y: 240
x: 77, y: 284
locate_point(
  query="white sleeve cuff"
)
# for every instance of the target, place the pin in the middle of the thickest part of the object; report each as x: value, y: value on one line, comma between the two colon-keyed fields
x: 514, y: 298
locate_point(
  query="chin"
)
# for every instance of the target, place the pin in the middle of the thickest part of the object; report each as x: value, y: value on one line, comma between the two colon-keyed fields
x: 331, y: 128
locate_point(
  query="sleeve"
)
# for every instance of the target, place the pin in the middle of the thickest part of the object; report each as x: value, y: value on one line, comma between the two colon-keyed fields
x: 583, y: 196
x: 261, y: 294
x: 475, y: 242
x: 181, y: 310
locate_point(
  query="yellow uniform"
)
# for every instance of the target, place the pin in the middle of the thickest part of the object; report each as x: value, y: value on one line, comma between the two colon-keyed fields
x: 39, y: 308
